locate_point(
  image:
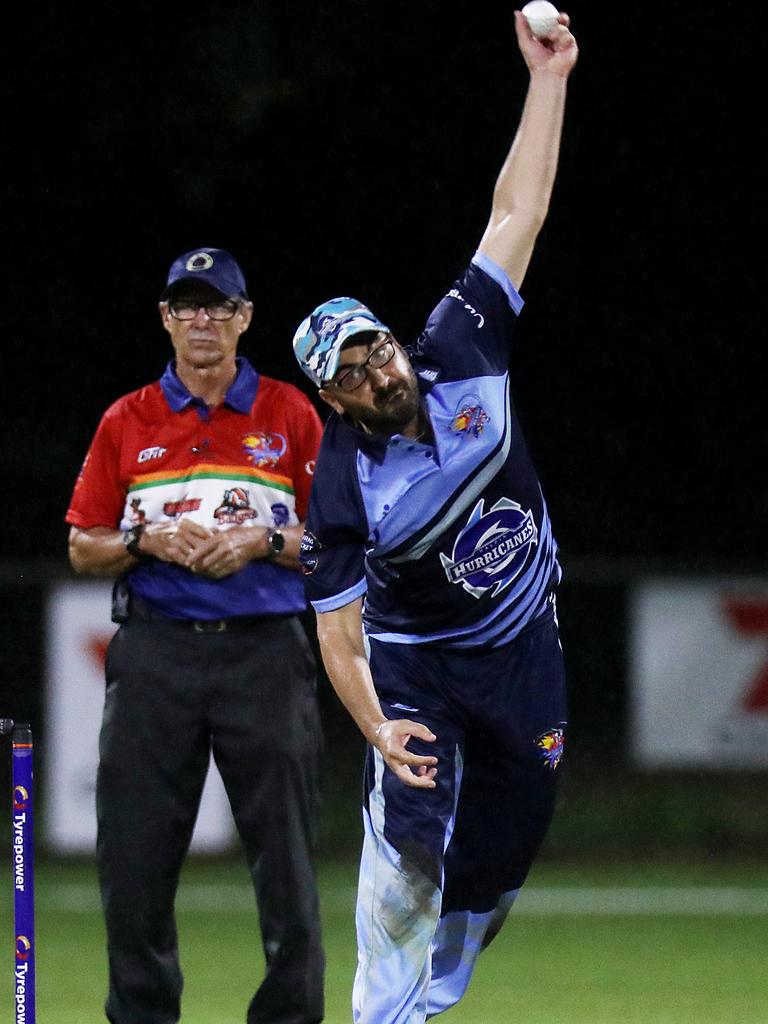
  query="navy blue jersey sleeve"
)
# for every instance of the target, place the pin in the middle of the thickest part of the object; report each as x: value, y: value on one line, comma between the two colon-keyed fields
x: 333, y: 547
x: 469, y: 333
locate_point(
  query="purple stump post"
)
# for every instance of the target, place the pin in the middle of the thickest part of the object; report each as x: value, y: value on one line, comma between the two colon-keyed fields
x: 23, y: 875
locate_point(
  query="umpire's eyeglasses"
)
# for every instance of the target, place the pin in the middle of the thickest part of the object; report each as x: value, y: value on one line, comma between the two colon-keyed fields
x: 187, y: 309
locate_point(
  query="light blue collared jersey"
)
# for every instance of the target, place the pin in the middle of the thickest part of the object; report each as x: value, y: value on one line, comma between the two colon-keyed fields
x: 449, y: 542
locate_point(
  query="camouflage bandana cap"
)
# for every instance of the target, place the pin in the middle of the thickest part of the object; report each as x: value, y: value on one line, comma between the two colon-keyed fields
x: 319, y: 339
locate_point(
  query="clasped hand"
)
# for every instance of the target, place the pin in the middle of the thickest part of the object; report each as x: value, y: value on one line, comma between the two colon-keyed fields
x: 208, y: 552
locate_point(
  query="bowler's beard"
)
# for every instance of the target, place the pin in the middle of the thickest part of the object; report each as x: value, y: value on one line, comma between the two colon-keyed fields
x: 395, y: 407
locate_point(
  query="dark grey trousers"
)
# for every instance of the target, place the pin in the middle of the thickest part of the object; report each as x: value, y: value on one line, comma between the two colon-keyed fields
x: 173, y: 695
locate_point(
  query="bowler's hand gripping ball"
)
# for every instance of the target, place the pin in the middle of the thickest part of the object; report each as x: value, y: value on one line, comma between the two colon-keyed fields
x: 541, y: 16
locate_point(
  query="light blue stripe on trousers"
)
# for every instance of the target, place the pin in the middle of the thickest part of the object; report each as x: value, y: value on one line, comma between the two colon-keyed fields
x: 411, y: 963
x: 460, y: 938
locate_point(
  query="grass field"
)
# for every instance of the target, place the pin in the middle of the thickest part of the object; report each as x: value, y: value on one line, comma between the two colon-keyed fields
x: 640, y: 945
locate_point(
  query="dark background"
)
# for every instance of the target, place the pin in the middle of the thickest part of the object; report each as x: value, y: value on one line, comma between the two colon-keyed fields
x: 351, y: 148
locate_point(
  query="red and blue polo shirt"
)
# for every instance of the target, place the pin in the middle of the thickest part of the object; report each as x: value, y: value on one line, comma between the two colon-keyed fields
x: 161, y: 454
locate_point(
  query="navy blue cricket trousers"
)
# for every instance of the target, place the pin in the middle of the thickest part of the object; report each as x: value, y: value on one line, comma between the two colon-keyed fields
x: 441, y: 868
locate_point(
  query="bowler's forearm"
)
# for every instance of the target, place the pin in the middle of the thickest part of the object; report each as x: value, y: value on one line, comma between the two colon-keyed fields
x: 347, y: 667
x: 351, y: 679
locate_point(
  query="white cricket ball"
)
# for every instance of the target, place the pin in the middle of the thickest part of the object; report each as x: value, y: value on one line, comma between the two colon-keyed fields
x: 541, y: 16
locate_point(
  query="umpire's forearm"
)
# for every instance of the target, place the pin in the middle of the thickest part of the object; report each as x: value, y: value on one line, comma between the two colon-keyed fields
x: 99, y: 551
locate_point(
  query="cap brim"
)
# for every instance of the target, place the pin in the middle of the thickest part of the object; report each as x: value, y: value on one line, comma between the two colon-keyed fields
x: 233, y: 292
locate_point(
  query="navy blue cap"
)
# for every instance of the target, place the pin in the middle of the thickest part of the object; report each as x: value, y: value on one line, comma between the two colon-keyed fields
x: 215, y: 267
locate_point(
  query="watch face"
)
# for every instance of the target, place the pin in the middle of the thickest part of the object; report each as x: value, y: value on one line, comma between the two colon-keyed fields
x: 131, y: 539
x: 276, y: 541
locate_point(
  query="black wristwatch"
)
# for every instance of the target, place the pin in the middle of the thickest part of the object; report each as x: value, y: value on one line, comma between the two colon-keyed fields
x: 131, y: 540
x: 275, y: 542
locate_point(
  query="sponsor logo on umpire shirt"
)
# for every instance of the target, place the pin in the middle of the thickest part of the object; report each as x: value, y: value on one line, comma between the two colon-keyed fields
x: 264, y: 449
x: 155, y: 452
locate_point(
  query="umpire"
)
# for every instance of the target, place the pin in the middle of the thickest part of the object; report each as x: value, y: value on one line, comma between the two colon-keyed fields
x: 193, y: 495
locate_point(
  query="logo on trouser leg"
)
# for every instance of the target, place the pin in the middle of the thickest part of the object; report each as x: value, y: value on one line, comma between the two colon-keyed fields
x: 551, y: 745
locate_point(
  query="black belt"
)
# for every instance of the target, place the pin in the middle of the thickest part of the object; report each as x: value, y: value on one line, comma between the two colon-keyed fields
x: 141, y: 612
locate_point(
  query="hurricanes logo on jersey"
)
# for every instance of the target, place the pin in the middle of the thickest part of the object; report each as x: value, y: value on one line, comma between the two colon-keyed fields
x: 492, y: 548
x: 264, y: 449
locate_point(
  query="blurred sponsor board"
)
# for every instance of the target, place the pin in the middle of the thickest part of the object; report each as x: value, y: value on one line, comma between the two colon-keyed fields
x: 699, y: 673
x: 78, y: 631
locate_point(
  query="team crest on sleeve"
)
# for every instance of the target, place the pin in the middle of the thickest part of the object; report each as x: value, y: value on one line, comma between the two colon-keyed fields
x: 492, y: 548
x: 470, y: 417
x: 264, y: 449
x: 551, y: 744
x: 308, y: 552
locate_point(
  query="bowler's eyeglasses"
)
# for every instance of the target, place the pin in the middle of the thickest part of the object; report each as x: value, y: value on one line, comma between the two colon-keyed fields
x: 186, y: 309
x: 355, y: 375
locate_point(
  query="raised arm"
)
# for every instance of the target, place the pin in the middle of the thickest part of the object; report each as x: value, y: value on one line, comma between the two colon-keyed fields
x: 340, y: 633
x: 524, y: 186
